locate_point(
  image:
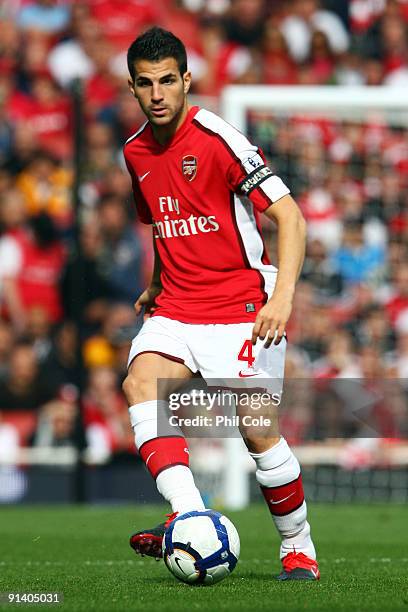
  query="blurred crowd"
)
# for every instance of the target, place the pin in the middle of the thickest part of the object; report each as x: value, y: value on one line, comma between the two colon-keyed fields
x: 60, y: 305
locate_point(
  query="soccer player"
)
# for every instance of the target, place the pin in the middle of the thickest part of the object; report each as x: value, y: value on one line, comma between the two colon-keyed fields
x: 217, y: 305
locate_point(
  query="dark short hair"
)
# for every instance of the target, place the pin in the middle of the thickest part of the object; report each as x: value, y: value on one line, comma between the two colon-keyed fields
x: 154, y: 45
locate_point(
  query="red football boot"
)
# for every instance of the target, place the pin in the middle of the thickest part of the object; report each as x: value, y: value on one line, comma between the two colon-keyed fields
x: 297, y: 566
x: 149, y: 541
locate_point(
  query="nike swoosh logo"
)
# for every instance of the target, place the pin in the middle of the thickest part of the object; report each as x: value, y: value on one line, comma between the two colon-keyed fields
x: 282, y: 500
x: 241, y: 375
x: 141, y: 178
x: 149, y: 457
x: 176, y: 559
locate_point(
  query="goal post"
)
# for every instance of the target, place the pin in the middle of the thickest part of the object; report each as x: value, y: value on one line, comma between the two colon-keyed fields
x: 343, y: 102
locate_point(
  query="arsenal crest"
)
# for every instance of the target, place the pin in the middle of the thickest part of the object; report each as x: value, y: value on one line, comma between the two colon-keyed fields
x: 189, y: 167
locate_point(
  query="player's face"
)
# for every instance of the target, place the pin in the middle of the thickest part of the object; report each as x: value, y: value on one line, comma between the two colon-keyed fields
x: 160, y: 90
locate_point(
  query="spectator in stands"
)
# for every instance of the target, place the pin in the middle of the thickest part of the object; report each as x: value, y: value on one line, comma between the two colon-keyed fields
x: 394, y: 41
x: 349, y: 69
x: 329, y: 418
x: 317, y: 330
x: 123, y: 117
x: 401, y: 355
x: 24, y: 148
x: 337, y: 360
x: 33, y: 60
x: 101, y: 153
x: 120, y: 327
x: 13, y: 227
x: 10, y: 40
x: 355, y: 260
x: 71, y: 59
x: 24, y: 387
x: 50, y: 116
x: 6, y: 135
x: 341, y: 172
x: 44, y: 15
x: 302, y: 308
x: 295, y: 411
x: 38, y: 332
x: 122, y: 255
x: 62, y: 363
x: 38, y: 269
x: 107, y: 347
x: 306, y: 17
x: 321, y: 60
x: 7, y: 339
x: 225, y: 61
x: 398, y: 302
x: 389, y: 203
x: 321, y: 213
x: 118, y: 182
x: 104, y: 411
x: 16, y: 102
x: 318, y: 269
x: 373, y: 71
x: 6, y: 184
x: 56, y: 425
x: 84, y: 268
x: 374, y: 329
x: 390, y: 416
x: 371, y: 364
x: 243, y: 24
x: 123, y: 20
x: 13, y: 214
x: 278, y: 66
x: 397, y: 252
x: 45, y: 185
x: 102, y: 87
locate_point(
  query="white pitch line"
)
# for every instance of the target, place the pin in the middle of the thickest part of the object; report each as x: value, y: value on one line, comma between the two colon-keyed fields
x: 109, y: 562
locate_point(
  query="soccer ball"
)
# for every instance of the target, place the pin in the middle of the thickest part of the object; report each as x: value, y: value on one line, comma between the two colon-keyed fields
x: 201, y: 547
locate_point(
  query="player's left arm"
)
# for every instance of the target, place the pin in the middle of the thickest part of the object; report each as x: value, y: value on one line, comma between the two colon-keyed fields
x: 274, y: 316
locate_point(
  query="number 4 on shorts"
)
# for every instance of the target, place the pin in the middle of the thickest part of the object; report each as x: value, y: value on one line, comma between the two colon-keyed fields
x: 245, y: 354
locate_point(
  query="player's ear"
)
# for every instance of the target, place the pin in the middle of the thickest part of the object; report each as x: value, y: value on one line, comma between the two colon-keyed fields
x: 187, y: 81
x: 131, y: 87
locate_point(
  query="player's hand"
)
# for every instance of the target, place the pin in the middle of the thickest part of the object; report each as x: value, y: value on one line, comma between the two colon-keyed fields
x: 147, y: 300
x: 272, y: 318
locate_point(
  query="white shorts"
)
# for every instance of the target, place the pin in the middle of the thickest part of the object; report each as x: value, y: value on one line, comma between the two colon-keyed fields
x: 217, y: 351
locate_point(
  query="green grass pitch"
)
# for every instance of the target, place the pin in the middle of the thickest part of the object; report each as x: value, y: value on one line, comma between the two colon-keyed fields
x: 83, y: 552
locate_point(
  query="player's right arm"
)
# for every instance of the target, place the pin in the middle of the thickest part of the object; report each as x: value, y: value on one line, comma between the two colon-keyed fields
x: 148, y: 298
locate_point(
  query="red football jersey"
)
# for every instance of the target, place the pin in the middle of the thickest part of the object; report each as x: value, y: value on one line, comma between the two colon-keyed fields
x: 202, y: 192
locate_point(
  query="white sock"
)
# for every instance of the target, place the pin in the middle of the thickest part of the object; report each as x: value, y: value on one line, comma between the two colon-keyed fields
x: 278, y: 474
x: 177, y: 486
x: 174, y: 482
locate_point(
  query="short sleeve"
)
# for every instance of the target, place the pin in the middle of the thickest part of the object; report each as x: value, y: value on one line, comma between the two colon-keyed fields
x: 249, y: 175
x: 244, y: 164
x: 142, y: 208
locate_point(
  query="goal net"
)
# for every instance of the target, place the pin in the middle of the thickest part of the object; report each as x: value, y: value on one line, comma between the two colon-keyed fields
x: 343, y: 152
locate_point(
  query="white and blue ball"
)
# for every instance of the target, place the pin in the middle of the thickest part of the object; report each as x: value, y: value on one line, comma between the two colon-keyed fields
x: 201, y: 547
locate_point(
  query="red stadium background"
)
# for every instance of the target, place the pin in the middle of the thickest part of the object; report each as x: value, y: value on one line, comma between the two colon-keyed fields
x: 73, y: 256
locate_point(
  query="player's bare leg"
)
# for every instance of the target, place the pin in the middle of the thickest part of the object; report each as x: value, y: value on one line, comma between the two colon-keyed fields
x: 278, y: 474
x: 166, y: 457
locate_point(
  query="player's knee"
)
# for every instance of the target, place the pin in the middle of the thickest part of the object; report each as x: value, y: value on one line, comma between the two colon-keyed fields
x: 138, y: 389
x: 256, y: 443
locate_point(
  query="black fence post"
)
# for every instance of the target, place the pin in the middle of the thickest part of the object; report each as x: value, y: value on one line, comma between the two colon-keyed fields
x: 77, y: 285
